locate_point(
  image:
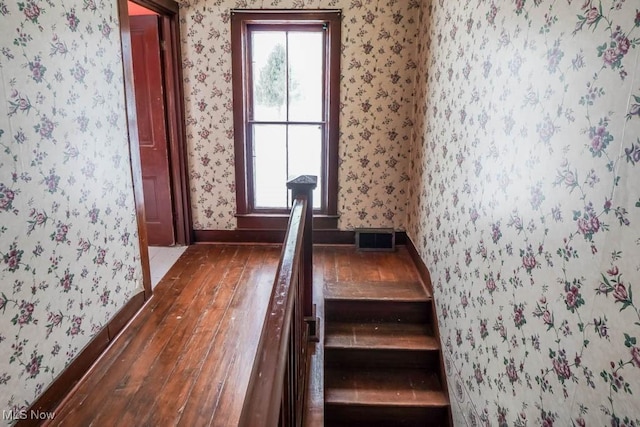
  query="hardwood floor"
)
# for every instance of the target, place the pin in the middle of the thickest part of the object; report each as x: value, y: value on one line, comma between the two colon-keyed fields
x: 343, y: 265
x: 187, y: 356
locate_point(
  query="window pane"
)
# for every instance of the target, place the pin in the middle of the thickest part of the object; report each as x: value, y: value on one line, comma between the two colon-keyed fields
x: 268, y: 73
x: 305, y: 155
x: 305, y: 76
x: 270, y: 166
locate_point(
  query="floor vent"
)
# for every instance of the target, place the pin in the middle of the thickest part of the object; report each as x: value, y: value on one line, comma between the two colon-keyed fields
x: 375, y: 239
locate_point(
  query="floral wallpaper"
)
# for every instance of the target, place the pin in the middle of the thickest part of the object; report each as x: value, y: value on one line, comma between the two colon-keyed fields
x: 377, y: 74
x: 524, y: 203
x: 69, y: 256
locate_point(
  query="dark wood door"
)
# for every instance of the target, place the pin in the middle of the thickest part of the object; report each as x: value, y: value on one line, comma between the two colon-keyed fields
x: 152, y: 129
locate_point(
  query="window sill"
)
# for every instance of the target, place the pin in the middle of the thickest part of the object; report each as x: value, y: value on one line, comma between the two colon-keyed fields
x: 272, y: 221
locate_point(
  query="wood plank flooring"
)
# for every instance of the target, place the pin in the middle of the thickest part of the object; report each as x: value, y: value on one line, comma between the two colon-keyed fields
x: 187, y: 356
x: 338, y: 266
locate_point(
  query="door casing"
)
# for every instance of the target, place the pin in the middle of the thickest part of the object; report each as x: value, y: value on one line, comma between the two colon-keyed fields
x: 169, y: 23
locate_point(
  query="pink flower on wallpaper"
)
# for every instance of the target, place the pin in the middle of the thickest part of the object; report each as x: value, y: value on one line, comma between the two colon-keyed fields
x: 518, y: 315
x: 94, y: 215
x: 484, y: 330
x: 12, y: 258
x: 26, y: 314
x: 477, y: 373
x: 72, y: 20
x: 79, y: 73
x: 66, y: 282
x: 623, y: 45
x: 588, y: 224
x: 620, y: 293
x: 635, y: 356
x: 496, y: 233
x: 105, y: 29
x: 33, y: 367
x: 570, y: 179
x: 572, y: 298
x: 37, y: 69
x: 610, y: 56
x: 547, y: 420
x: 553, y: 59
x: 547, y: 129
x: 491, y: 285
x: 198, y: 17
x: 201, y: 76
x: 561, y: 368
x: 104, y: 298
x: 31, y: 10
x: 529, y: 262
x: 60, y: 235
x: 491, y: 14
x: 6, y: 198
x: 76, y: 326
x: 45, y: 127
x: 100, y: 257
x: 592, y: 15
x: 632, y: 153
x: 18, y: 103
x: 464, y: 301
x: 511, y: 371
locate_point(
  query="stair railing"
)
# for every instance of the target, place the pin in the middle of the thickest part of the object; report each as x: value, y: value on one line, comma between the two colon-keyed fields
x: 276, y: 390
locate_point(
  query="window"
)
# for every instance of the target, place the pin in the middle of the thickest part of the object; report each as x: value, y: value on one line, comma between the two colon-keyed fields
x: 286, y: 103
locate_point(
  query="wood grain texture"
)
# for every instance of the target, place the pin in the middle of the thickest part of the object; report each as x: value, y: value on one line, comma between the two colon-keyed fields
x: 381, y: 357
x: 392, y: 387
x: 196, y: 339
x: 376, y: 290
x: 381, y: 335
x: 185, y: 358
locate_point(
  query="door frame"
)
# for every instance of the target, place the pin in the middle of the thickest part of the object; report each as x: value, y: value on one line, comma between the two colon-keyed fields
x: 168, y: 11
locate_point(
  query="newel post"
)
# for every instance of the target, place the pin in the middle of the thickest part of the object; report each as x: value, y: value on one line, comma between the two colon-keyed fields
x: 303, y: 186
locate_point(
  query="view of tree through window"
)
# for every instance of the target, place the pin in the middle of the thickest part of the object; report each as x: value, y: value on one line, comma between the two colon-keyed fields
x: 271, y: 85
x: 286, y: 104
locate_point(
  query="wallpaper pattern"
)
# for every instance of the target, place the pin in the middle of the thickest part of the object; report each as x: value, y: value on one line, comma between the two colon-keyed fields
x: 69, y: 257
x: 377, y: 81
x: 525, y: 205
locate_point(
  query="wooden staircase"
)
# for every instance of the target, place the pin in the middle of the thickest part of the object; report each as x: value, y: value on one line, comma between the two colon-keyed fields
x: 381, y: 356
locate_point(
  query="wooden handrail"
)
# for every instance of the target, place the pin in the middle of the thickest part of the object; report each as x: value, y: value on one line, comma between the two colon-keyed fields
x: 275, y: 394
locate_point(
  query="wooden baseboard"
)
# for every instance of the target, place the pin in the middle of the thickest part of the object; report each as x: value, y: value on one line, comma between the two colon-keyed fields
x: 326, y: 237
x: 61, y: 386
x: 423, y: 271
x: 422, y: 268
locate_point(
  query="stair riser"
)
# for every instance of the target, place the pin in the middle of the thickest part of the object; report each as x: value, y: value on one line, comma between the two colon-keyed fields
x: 379, y: 311
x: 379, y: 358
x: 375, y: 416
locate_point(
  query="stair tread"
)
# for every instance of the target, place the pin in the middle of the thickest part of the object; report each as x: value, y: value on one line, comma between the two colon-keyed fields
x: 372, y: 290
x: 384, y: 387
x: 386, y: 335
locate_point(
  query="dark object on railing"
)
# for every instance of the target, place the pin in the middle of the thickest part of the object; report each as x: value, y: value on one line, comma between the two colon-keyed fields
x: 275, y: 394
